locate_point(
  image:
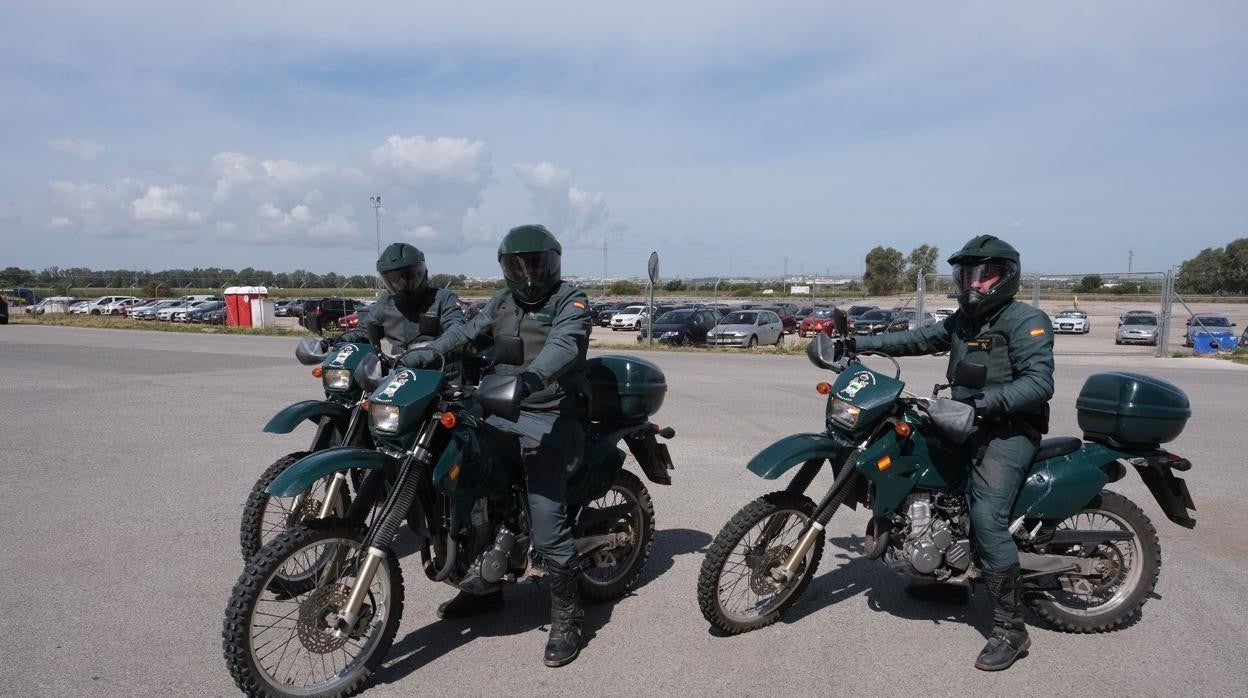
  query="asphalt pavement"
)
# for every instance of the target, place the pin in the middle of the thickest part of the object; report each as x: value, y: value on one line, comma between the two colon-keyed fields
x: 127, y: 455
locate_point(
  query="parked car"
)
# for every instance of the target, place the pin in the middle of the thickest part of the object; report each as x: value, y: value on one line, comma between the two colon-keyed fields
x: 53, y: 304
x: 872, y: 322
x: 1218, y: 326
x: 197, y: 313
x: 97, y: 306
x: 4, y: 310
x: 166, y: 313
x: 681, y: 326
x: 330, y: 310
x: 1122, y: 319
x: 215, y: 317
x: 122, y: 306
x: 818, y: 321
x: 1137, y: 328
x: 79, y: 307
x: 284, y: 308
x: 941, y: 313
x: 148, y: 312
x: 787, y: 318
x: 803, y: 312
x: 1071, y: 321
x: 747, y: 328
x: 855, y: 311
x: 628, y: 318
x: 904, y: 320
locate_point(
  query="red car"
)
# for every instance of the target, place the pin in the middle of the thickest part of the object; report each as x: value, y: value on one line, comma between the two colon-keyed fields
x: 349, y: 322
x: 818, y: 321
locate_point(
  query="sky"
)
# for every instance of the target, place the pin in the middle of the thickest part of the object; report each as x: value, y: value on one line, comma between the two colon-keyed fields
x: 732, y: 138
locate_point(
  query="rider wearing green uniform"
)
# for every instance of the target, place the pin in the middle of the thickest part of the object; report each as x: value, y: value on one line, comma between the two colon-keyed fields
x: 1015, y: 341
x: 552, y: 318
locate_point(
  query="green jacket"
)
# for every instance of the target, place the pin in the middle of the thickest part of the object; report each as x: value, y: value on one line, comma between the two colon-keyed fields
x: 1016, y: 343
x: 401, y: 323
x: 556, y: 338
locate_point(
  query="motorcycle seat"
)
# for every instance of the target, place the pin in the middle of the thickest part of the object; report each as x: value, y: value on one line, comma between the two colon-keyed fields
x: 1057, y: 446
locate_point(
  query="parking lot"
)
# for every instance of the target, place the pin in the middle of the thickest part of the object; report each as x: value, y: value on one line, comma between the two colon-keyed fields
x: 128, y: 455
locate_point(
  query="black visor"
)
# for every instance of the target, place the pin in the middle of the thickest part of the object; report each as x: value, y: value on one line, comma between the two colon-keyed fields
x: 539, y: 267
x: 409, y: 279
x: 985, y: 276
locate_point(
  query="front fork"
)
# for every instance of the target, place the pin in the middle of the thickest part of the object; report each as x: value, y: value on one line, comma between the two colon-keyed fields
x: 846, y: 482
x: 339, y: 480
x: 392, y: 514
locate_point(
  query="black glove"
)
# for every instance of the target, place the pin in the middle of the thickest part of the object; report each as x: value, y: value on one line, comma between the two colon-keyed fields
x: 843, y: 348
x: 529, y: 384
x: 420, y: 358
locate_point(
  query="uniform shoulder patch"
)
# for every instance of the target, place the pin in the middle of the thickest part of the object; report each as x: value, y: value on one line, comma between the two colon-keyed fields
x: 578, y: 304
x: 1037, y: 332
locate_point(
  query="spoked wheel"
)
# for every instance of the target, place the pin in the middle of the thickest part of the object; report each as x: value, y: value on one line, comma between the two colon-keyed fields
x: 265, y: 517
x: 1126, y: 571
x: 625, y: 514
x: 739, y: 588
x: 278, y: 644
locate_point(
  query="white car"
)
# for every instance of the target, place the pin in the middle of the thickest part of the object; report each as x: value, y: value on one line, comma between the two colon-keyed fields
x: 182, y: 314
x: 166, y: 313
x: 629, y: 318
x: 97, y: 306
x: 942, y: 313
x: 1071, y: 321
x: 122, y: 306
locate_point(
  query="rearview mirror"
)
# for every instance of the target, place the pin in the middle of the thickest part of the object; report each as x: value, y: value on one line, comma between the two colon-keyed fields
x: 970, y: 374
x: 500, y: 395
x: 821, y: 351
x: 840, y: 321
x: 309, y: 351
x: 369, y: 373
x: 509, y: 350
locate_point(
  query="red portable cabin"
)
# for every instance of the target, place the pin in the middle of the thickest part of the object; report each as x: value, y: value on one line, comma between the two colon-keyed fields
x: 238, y: 304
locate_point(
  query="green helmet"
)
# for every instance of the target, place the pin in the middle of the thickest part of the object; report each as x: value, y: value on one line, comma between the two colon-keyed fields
x: 985, y: 274
x: 403, y: 271
x: 529, y: 256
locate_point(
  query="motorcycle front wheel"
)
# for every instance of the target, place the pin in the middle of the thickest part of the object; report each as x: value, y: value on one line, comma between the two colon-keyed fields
x: 265, y: 517
x: 282, y: 644
x: 737, y: 591
x: 1127, y: 570
x: 630, y: 511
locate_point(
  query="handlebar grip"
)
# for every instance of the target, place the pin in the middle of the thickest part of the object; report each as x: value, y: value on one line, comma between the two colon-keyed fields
x: 666, y: 432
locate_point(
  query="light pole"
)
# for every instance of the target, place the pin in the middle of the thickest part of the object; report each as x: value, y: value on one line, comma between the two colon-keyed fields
x: 376, y: 203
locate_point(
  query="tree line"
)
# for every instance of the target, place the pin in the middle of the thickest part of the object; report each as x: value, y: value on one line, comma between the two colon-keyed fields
x: 1216, y: 271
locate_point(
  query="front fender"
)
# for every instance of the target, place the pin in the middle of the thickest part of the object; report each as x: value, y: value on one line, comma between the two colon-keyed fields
x: 307, y: 470
x: 778, y: 458
x: 285, y: 421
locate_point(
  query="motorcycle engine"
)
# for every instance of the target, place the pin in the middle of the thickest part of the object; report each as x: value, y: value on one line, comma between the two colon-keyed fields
x: 936, y: 541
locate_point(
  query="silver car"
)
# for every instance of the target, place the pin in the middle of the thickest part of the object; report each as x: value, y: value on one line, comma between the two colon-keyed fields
x: 1137, y: 328
x: 747, y: 328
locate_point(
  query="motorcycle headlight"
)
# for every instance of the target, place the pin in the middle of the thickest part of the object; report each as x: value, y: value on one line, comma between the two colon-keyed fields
x: 385, y: 417
x: 337, y: 379
x: 844, y: 413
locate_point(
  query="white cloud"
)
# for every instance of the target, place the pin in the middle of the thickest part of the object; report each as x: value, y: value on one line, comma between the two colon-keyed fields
x: 432, y: 187
x: 80, y: 148
x: 576, y: 216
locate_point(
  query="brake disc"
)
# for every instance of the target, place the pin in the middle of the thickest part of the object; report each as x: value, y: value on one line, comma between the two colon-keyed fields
x: 761, y: 581
x: 318, y: 616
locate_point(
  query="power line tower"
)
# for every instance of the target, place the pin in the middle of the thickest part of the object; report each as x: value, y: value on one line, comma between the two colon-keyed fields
x: 1130, y: 258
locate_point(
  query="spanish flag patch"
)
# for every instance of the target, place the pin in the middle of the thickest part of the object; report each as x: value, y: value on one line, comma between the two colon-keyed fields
x: 1037, y: 332
x: 579, y: 304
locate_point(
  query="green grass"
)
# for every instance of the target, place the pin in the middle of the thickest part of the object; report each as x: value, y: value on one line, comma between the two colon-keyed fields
x: 119, y: 323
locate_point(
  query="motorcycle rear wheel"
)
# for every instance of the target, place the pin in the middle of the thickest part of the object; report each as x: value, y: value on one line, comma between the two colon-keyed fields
x: 296, y: 629
x: 735, y: 590
x: 1130, y: 569
x: 614, y: 580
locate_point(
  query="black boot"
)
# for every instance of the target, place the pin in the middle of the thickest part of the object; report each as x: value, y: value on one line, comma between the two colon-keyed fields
x: 1009, y: 639
x: 564, y: 642
x: 465, y: 604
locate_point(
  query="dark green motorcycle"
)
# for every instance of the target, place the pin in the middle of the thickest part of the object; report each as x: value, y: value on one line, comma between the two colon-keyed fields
x: 458, y: 483
x: 340, y: 421
x: 1090, y: 557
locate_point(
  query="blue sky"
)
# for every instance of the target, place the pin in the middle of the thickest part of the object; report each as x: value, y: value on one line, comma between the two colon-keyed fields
x: 149, y: 135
